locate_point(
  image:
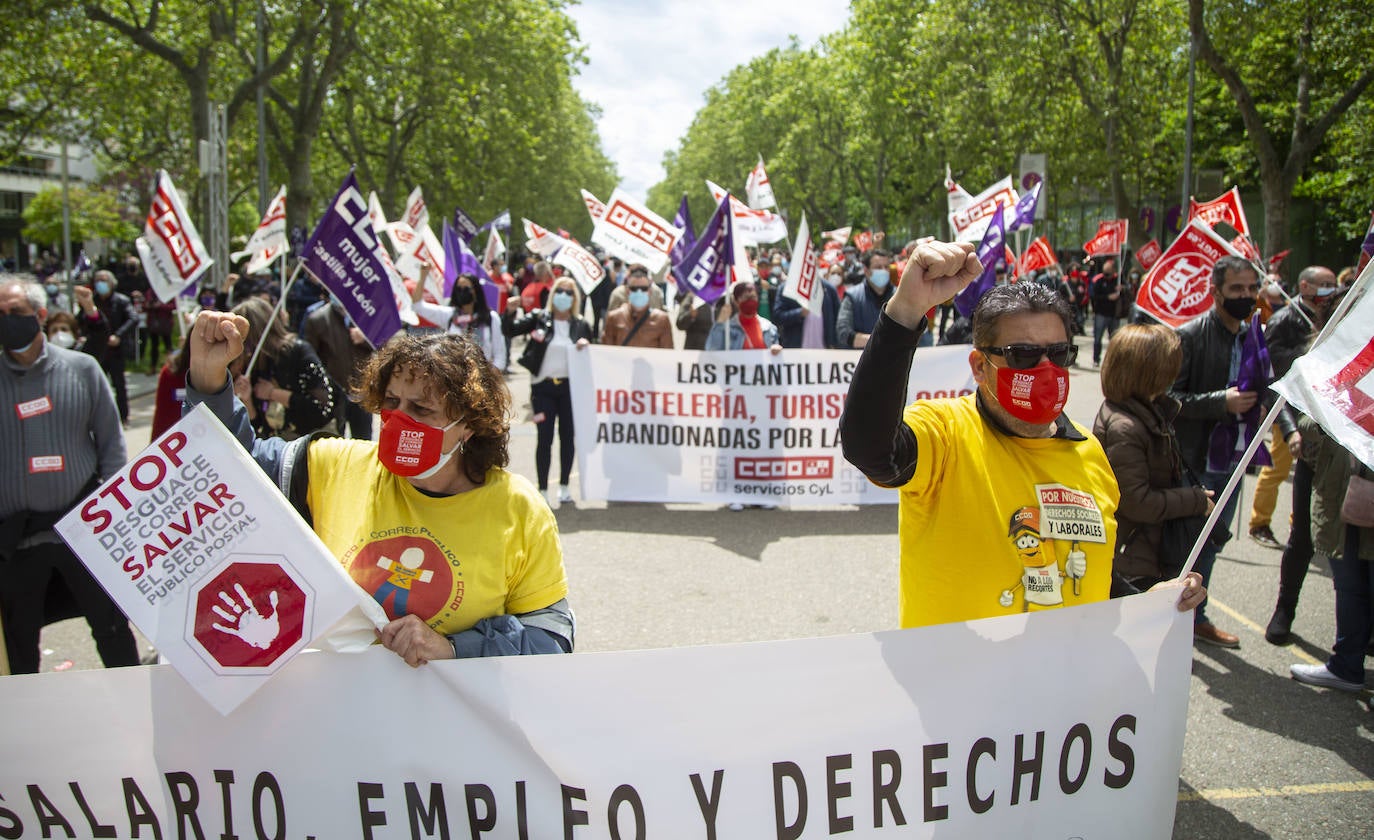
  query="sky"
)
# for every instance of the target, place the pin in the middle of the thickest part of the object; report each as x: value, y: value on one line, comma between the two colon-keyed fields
x: 651, y: 61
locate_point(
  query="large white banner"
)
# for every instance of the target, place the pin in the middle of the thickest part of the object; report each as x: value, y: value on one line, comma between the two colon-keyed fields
x: 211, y: 563
x: 633, y: 232
x: 745, y: 426
x: 751, y: 227
x: 968, y: 219
x: 171, y: 251
x: 1058, y: 724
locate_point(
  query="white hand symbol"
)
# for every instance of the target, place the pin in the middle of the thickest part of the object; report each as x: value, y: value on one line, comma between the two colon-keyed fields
x: 246, y: 622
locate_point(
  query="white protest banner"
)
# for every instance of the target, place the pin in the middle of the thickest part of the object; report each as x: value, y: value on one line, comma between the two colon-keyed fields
x: 742, y: 426
x: 1178, y: 286
x: 416, y: 214
x: 1334, y: 382
x: 596, y: 208
x: 585, y: 268
x: 268, y: 242
x: 171, y: 251
x: 801, y: 274
x: 968, y: 218
x: 633, y: 232
x: 211, y: 563
x: 416, y: 250
x: 751, y: 227
x: 1058, y: 724
x: 758, y: 189
x: 542, y: 241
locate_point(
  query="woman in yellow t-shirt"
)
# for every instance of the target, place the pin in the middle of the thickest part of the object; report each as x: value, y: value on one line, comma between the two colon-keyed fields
x: 462, y: 555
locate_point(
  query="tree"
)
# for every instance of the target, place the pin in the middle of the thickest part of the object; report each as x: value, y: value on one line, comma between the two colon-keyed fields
x: 1294, y: 73
x: 94, y: 214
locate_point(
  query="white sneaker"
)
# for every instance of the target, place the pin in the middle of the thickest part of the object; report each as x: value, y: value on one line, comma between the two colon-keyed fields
x: 564, y: 494
x: 550, y: 498
x: 767, y: 506
x: 1322, y: 676
x: 736, y: 506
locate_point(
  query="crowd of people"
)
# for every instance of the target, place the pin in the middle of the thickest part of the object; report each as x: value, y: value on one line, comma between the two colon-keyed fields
x: 300, y: 386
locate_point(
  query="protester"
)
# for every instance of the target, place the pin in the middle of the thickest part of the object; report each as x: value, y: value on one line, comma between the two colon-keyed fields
x: 479, y: 571
x: 288, y: 393
x: 159, y: 317
x: 553, y: 331
x: 171, y: 392
x: 117, y: 311
x: 535, y: 294
x: 805, y: 328
x: 467, y: 313
x: 1206, y: 387
x: 1105, y: 290
x: 62, y: 438
x: 864, y: 301
x: 747, y: 330
x: 1135, y: 428
x: 635, y: 323
x: 975, y: 541
x: 62, y: 330
x: 694, y: 318
x: 1350, y: 550
x: 344, y: 351
x: 620, y: 296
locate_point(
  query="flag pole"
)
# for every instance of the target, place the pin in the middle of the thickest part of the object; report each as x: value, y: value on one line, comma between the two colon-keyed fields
x: 1220, y: 501
x: 276, y: 313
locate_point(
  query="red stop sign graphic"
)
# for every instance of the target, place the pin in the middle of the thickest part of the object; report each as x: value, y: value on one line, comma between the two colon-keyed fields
x: 252, y: 614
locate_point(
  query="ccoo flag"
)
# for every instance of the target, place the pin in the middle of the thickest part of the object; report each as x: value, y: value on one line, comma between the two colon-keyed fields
x: 173, y: 255
x: 757, y: 190
x: 342, y: 256
x: 705, y: 270
x: 802, y: 273
x: 268, y: 242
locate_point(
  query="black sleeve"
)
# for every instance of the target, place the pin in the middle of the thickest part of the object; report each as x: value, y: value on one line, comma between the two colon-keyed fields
x: 872, y: 434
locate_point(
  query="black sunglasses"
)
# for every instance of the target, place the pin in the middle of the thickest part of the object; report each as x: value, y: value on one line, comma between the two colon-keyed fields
x: 1023, y: 356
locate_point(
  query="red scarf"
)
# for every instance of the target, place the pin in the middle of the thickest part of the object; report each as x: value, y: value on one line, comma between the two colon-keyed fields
x: 753, y: 332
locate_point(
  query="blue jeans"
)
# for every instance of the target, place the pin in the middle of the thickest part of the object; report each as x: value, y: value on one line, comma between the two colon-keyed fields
x: 1214, y: 481
x: 1354, y: 581
x: 1102, y: 324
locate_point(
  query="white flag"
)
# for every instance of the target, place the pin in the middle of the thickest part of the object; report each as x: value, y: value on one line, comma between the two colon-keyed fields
x: 758, y: 190
x: 595, y: 206
x: 840, y: 235
x: 173, y: 255
x: 751, y: 227
x: 585, y: 268
x: 542, y: 241
x: 414, y: 251
x: 496, y: 249
x: 268, y: 242
x: 417, y: 214
x: 969, y: 216
x: 633, y: 232
x: 375, y: 212
x: 802, y: 274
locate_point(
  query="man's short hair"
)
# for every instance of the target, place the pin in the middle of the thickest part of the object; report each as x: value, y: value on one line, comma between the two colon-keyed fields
x: 876, y: 252
x: 1309, y: 275
x: 1015, y: 299
x: 1142, y: 361
x: 102, y: 274
x: 33, y: 291
x: 637, y: 268
x: 1230, y: 263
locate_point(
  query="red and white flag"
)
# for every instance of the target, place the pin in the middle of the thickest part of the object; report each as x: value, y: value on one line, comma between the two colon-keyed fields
x: 864, y: 241
x: 1225, y: 208
x: 584, y: 267
x: 375, y: 212
x: 969, y: 215
x: 631, y: 231
x: 416, y: 214
x: 1246, y: 247
x: 1109, y: 239
x: 416, y: 250
x: 749, y: 226
x: 1148, y: 254
x: 595, y: 206
x: 803, y: 276
x: 1178, y: 287
x: 268, y: 242
x: 1333, y: 383
x: 173, y: 255
x: 1276, y: 261
x: 541, y: 241
x: 840, y: 236
x: 758, y: 190
x: 496, y: 249
x: 1038, y: 255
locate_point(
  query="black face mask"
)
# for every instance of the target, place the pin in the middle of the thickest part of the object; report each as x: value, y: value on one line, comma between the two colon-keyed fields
x: 17, y: 332
x: 463, y: 296
x: 1238, y: 308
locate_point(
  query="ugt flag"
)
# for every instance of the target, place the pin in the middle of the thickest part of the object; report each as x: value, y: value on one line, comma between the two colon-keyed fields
x: 268, y: 242
x: 342, y: 256
x: 705, y: 271
x: 1038, y: 255
x: 802, y: 274
x: 1178, y: 287
x: 1109, y: 239
x: 1333, y: 383
x: 173, y: 255
x: 990, y: 250
x: 1224, y: 208
x: 1148, y: 254
x: 757, y: 190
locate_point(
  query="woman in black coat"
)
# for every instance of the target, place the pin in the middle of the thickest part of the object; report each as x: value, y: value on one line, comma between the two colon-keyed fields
x: 288, y: 393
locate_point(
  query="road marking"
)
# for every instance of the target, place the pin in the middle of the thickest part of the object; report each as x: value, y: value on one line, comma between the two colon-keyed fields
x: 1240, y: 619
x: 1219, y: 794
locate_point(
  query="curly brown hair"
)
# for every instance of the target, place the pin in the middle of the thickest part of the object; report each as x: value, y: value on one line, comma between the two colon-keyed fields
x: 453, y: 368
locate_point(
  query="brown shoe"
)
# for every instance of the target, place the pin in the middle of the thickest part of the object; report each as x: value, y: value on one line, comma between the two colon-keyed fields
x: 1208, y: 632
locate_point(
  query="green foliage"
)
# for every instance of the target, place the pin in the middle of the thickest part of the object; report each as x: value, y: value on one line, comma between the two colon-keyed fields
x: 95, y: 214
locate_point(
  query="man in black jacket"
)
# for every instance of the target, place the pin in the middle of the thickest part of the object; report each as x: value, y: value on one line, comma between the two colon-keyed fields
x: 1211, y: 359
x: 1106, y: 292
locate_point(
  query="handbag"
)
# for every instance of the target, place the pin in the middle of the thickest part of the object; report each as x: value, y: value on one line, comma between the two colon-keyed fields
x: 1358, y: 507
x: 1177, y: 535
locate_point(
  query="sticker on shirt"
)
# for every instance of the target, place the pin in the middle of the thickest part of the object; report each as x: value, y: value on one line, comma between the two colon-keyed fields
x: 179, y: 395
x: 33, y: 408
x: 47, y: 464
x: 408, y: 575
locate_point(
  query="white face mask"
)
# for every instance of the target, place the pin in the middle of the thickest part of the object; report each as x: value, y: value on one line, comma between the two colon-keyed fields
x: 63, y: 339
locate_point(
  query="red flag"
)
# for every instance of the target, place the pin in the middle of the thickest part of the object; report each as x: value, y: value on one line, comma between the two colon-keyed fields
x: 1148, y: 254
x: 1038, y: 255
x: 1245, y: 246
x: 1225, y: 208
x: 1108, y: 240
x: 1276, y: 261
x: 864, y: 241
x: 1178, y: 287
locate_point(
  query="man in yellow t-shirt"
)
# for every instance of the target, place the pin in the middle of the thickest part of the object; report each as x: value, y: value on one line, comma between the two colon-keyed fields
x: 1006, y: 505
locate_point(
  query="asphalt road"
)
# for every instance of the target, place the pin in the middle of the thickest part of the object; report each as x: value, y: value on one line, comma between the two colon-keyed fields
x: 1265, y: 757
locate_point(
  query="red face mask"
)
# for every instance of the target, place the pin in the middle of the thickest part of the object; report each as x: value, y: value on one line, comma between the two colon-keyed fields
x: 1036, y: 395
x: 410, y: 448
x: 749, y: 307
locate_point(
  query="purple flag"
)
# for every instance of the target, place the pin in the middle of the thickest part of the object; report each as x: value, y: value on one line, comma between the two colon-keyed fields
x: 682, y: 219
x: 342, y: 255
x: 464, y: 225
x: 501, y: 222
x: 705, y: 268
x: 452, y: 248
x: 1025, y: 208
x: 83, y: 265
x: 1231, y: 436
x: 1366, y: 248
x: 463, y: 261
x: 990, y: 250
